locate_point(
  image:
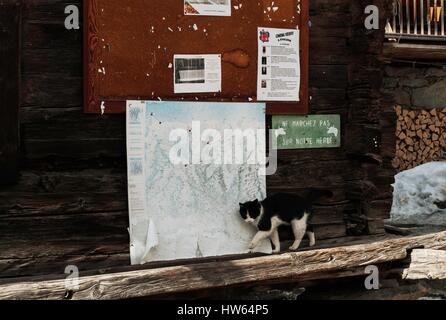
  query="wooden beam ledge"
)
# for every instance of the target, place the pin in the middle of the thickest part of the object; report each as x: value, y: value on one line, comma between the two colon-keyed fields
x: 297, y: 266
x: 411, y: 51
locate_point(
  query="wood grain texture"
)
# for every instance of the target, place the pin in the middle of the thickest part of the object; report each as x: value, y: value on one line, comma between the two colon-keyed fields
x: 409, y: 51
x: 426, y: 264
x: 369, y: 131
x: 10, y: 19
x: 308, y: 265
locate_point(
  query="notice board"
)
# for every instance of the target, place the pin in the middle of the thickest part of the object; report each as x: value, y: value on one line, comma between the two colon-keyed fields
x: 130, y: 45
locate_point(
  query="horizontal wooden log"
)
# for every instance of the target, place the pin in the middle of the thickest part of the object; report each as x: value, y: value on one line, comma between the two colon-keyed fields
x: 410, y: 51
x: 296, y: 266
x: 426, y: 264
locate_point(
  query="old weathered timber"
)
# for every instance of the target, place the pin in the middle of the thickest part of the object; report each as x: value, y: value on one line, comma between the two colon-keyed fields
x: 410, y: 51
x: 298, y: 266
x: 426, y: 264
x: 9, y: 91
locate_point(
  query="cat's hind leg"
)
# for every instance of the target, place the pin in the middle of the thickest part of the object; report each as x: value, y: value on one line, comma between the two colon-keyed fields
x: 311, y: 236
x: 276, y: 241
x: 299, y: 228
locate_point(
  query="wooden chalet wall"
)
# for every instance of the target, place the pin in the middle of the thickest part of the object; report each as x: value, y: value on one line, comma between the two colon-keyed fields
x: 9, y: 91
x: 70, y: 203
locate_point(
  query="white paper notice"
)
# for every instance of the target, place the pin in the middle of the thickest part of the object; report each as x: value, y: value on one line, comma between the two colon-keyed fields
x: 278, y: 65
x: 197, y: 73
x: 207, y: 7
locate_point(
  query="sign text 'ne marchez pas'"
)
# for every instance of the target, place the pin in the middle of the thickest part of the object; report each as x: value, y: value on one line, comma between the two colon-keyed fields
x: 307, y: 132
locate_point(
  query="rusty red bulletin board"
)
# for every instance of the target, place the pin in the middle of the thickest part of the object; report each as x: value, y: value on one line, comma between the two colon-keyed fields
x: 129, y: 48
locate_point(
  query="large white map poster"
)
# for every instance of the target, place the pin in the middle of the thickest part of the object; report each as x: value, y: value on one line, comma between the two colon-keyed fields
x: 183, y: 200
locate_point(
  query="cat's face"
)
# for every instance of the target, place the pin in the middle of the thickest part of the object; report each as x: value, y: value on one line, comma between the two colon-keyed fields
x: 250, y: 211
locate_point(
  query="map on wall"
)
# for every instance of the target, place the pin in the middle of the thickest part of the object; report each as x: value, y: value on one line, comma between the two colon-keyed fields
x: 186, y: 178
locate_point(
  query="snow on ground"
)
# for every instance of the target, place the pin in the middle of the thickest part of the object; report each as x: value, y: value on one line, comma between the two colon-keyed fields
x: 415, y: 193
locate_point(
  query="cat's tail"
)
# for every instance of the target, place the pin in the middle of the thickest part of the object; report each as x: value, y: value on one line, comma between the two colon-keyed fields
x: 316, y: 194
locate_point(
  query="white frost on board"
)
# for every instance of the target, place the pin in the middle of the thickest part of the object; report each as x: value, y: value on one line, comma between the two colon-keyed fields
x: 415, y: 193
x: 192, y: 210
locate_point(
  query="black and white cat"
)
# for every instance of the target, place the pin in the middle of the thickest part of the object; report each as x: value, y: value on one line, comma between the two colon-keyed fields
x: 282, y: 209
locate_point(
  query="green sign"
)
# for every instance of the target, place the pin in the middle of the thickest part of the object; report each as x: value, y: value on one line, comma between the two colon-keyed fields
x: 307, y: 132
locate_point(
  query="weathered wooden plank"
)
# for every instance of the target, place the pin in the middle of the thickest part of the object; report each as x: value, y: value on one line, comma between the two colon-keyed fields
x: 48, y: 10
x: 328, y: 99
x: 328, y: 76
x: 43, y: 204
x: 328, y: 173
x: 40, y: 245
x: 82, y: 127
x: 55, y: 236
x: 10, y: 19
x: 332, y: 50
x: 49, y: 60
x: 106, y: 181
x: 426, y: 264
x: 408, y: 51
x: 296, y: 266
x: 46, y: 35
x: 116, y: 258
x: 85, y: 261
x: 51, y: 90
x: 74, y: 149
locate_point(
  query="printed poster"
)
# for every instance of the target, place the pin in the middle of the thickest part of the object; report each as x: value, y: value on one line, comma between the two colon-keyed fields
x: 197, y: 73
x: 184, y: 204
x: 207, y: 7
x: 278, y: 65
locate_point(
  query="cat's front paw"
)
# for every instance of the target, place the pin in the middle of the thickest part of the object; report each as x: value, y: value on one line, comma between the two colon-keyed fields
x: 251, y: 246
x: 275, y: 251
x: 294, y: 248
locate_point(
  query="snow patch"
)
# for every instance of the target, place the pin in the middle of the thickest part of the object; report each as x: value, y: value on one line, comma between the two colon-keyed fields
x: 416, y: 194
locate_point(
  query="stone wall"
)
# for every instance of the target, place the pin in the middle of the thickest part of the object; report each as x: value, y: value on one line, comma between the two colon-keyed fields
x: 415, y: 87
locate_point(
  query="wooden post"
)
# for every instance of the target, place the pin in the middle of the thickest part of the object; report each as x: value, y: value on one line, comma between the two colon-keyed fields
x: 9, y: 90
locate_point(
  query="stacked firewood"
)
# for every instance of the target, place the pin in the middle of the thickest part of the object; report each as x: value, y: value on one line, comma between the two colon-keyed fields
x: 421, y: 137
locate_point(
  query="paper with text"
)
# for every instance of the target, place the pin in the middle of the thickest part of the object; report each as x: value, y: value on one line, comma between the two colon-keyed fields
x: 278, y: 65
